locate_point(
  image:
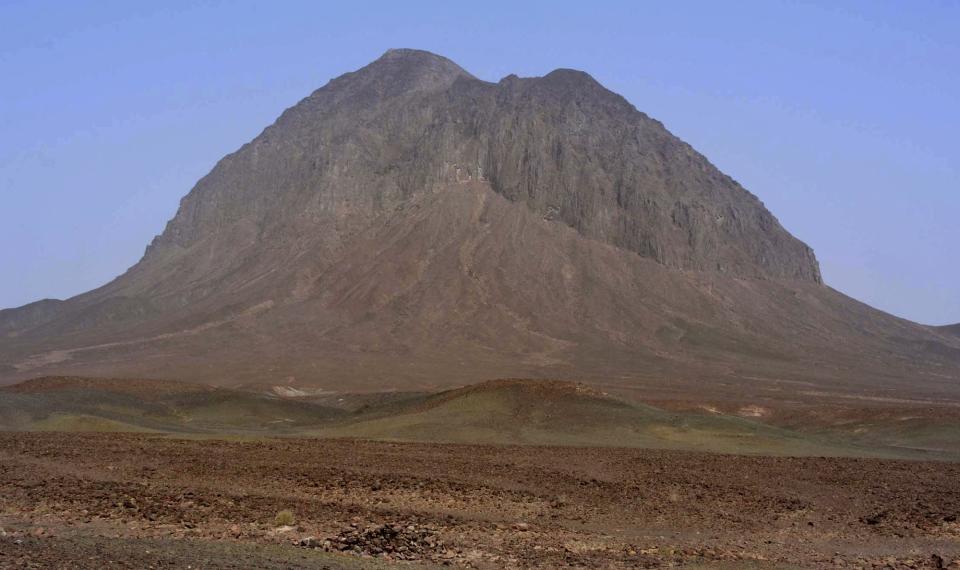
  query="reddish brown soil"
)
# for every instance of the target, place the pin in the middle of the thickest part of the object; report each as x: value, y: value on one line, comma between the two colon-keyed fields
x: 97, y: 500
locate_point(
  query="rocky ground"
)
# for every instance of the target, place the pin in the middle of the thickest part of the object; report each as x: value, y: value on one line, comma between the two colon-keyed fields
x: 141, y: 501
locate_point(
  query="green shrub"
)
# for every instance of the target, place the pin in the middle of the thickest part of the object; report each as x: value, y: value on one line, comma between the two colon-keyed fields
x: 284, y: 518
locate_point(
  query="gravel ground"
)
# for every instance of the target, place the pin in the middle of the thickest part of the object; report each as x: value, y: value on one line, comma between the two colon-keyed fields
x: 136, y: 501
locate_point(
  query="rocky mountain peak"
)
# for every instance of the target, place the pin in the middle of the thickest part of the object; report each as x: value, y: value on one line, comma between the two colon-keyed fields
x: 403, y: 70
x: 571, y: 78
x: 562, y: 144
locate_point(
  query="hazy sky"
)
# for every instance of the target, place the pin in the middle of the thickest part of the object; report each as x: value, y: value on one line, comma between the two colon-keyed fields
x: 843, y: 117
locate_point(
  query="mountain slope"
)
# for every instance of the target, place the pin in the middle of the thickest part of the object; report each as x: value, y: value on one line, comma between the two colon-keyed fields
x: 411, y: 226
x: 951, y: 329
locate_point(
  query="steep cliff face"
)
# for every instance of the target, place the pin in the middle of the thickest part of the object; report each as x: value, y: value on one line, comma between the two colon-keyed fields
x: 408, y: 225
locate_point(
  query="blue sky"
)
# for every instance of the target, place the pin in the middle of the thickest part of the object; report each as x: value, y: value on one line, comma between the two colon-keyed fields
x: 843, y: 117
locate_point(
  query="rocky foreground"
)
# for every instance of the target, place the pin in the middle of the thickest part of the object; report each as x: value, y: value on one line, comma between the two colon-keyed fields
x: 110, y: 501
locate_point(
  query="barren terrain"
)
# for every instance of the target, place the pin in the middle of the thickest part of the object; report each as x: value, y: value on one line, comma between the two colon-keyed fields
x: 124, y: 500
x: 431, y: 320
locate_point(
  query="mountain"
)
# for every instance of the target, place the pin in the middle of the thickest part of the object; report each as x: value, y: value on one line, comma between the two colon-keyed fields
x: 409, y: 226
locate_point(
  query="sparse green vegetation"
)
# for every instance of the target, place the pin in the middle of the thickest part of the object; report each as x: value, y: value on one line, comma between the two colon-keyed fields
x: 284, y: 518
x: 81, y: 423
x: 524, y: 412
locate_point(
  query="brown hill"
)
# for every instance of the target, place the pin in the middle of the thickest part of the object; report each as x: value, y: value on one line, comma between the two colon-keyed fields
x: 410, y: 226
x: 135, y: 404
x: 951, y: 329
x: 513, y: 411
x: 550, y: 412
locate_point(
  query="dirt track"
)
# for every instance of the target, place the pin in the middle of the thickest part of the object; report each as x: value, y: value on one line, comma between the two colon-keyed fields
x: 94, y: 501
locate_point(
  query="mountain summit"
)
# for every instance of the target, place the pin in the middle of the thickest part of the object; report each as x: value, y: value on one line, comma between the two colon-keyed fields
x: 563, y: 145
x: 409, y: 225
